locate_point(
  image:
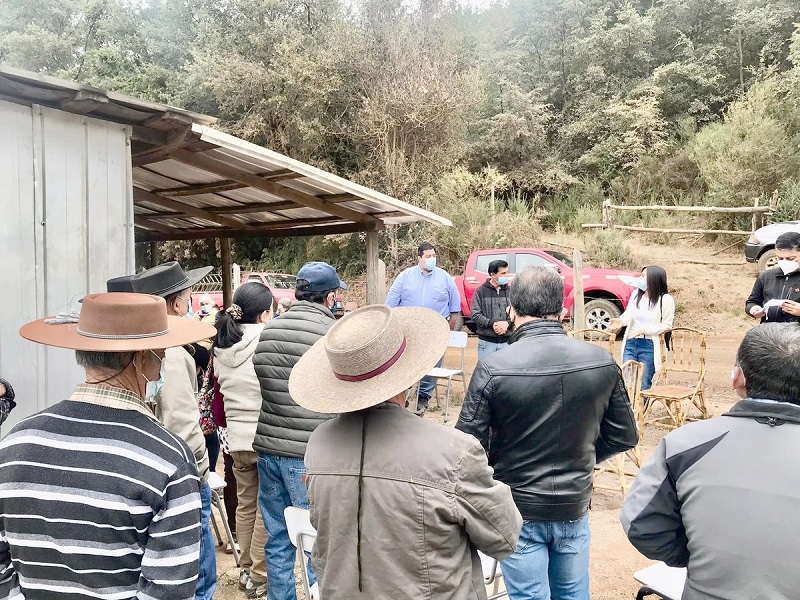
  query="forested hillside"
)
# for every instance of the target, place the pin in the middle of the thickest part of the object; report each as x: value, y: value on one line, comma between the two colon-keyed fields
x: 545, y: 106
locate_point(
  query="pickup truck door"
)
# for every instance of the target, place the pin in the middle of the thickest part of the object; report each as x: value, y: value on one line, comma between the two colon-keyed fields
x: 534, y: 259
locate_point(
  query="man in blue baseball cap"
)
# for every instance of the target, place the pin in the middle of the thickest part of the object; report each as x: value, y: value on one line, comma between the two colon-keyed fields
x: 283, y: 426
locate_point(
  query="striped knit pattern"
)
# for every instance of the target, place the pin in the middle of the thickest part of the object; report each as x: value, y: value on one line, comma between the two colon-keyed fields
x: 97, y: 502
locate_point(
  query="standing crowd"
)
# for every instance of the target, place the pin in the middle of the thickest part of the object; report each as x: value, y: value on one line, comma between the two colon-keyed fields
x: 106, y: 495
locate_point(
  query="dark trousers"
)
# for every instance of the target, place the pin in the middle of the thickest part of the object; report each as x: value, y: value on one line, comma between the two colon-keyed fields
x: 229, y: 494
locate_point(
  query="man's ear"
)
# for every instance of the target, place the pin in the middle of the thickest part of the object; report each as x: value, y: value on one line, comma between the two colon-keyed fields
x: 738, y: 381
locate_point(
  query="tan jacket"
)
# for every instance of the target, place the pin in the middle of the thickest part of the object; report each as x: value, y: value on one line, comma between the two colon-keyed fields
x: 176, y: 405
x: 428, y: 501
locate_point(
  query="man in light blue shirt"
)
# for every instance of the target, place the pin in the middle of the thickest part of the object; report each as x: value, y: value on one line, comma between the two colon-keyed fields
x: 426, y: 285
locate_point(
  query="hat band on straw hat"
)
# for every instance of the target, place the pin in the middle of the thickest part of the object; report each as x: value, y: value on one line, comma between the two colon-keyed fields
x: 132, y: 336
x: 375, y: 372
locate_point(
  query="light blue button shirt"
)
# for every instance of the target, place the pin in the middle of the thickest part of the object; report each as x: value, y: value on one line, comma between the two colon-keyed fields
x: 436, y: 291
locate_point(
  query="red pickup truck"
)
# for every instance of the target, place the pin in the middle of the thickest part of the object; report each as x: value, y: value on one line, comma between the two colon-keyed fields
x: 280, y: 284
x: 605, y: 292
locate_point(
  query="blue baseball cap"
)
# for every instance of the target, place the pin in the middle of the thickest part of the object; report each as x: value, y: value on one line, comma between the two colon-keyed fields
x: 321, y: 277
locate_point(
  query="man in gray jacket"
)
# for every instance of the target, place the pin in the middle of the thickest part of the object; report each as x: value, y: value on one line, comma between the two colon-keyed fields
x: 283, y: 426
x: 400, y: 504
x: 720, y: 496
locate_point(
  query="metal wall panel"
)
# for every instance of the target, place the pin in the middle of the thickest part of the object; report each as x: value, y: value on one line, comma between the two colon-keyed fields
x: 66, y: 227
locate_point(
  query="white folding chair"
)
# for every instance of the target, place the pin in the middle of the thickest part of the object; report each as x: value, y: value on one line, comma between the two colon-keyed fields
x: 491, y: 575
x: 303, y: 535
x: 458, y: 339
x: 217, y: 485
x: 659, y: 579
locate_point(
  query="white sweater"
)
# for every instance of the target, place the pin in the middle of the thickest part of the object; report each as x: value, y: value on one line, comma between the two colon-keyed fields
x: 652, y: 321
x: 233, y: 368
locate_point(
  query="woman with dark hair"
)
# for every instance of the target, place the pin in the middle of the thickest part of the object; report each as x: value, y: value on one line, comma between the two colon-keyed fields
x: 650, y: 312
x: 238, y: 330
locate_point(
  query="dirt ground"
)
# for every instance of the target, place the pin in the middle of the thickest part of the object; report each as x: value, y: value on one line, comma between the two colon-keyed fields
x: 708, y: 297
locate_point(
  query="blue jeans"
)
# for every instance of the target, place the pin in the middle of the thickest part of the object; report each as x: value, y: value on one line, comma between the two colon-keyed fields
x: 280, y: 484
x: 486, y: 348
x: 551, y: 561
x: 427, y: 385
x: 641, y: 349
x: 207, y: 575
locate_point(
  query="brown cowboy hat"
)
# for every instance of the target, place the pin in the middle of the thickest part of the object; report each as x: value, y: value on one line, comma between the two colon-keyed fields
x: 119, y: 322
x: 369, y: 356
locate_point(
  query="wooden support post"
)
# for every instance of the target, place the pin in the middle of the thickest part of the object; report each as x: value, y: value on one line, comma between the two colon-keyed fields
x: 153, y: 254
x: 226, y: 260
x: 578, y: 319
x: 376, y: 284
x: 756, y: 215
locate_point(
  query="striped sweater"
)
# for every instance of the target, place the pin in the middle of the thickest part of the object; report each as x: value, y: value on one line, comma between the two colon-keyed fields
x: 97, y: 501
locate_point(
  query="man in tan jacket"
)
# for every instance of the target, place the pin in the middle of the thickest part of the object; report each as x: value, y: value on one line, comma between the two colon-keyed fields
x: 400, y: 504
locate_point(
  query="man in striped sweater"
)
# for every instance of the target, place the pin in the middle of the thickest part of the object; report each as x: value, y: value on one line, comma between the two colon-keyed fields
x: 97, y: 498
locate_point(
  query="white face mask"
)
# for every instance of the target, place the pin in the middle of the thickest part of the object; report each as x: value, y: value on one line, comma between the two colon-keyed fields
x: 153, y: 387
x: 788, y: 266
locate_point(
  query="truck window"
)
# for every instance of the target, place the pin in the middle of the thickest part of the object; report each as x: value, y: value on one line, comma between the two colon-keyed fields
x: 561, y: 256
x: 532, y: 260
x: 483, y: 260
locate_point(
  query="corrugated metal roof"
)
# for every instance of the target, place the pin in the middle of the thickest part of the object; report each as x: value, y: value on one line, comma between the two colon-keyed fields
x: 191, y: 181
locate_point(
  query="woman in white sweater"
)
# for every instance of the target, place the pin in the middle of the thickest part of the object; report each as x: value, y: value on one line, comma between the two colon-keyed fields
x: 238, y: 330
x: 650, y: 312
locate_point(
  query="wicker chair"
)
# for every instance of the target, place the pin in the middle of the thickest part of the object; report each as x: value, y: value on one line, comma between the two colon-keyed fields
x: 604, y: 338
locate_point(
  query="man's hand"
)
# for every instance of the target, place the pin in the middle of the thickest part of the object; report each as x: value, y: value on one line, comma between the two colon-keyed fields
x: 791, y: 308
x: 500, y: 327
x: 757, y: 312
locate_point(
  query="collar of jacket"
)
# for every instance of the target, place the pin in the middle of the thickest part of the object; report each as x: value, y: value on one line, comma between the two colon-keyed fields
x: 305, y: 305
x: 776, y: 413
x: 779, y: 274
x: 536, y: 328
x: 488, y: 284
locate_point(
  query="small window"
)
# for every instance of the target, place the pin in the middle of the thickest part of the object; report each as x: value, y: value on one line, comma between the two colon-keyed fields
x: 532, y: 260
x: 483, y: 260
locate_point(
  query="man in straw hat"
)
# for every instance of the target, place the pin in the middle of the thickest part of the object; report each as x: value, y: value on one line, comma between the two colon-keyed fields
x: 176, y: 400
x: 97, y: 497
x: 400, y: 504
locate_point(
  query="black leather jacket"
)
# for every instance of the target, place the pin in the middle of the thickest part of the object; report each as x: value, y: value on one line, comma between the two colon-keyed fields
x: 546, y: 409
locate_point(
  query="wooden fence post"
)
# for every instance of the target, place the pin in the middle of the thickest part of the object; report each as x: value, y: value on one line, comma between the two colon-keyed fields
x: 608, y: 214
x: 578, y: 317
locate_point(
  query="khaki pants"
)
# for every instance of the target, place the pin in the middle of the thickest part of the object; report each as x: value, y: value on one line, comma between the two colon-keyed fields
x: 249, y: 525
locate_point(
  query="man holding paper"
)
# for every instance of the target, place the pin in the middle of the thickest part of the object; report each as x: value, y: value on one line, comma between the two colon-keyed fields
x: 776, y: 292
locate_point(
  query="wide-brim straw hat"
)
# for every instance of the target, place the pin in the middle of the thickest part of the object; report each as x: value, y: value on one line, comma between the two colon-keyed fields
x: 369, y: 356
x: 119, y: 322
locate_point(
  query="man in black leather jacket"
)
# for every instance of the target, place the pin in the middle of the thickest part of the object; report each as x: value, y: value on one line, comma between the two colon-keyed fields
x: 546, y: 409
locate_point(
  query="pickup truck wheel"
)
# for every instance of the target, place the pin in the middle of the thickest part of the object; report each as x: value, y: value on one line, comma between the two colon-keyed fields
x: 768, y: 260
x: 598, y: 314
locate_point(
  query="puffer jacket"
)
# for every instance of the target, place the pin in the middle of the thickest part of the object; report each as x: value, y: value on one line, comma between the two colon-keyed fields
x: 233, y: 368
x: 283, y: 426
x: 490, y: 305
x: 422, y: 516
x: 718, y: 497
x: 547, y: 408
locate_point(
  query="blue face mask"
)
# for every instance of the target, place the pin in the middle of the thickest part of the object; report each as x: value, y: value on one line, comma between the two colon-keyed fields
x: 154, y: 387
x: 189, y: 312
x: 430, y: 263
x: 502, y: 281
x: 641, y: 283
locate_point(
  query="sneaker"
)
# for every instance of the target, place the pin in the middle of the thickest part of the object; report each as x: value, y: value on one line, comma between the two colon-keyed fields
x: 229, y: 550
x: 244, y: 579
x: 421, y: 408
x: 255, y: 590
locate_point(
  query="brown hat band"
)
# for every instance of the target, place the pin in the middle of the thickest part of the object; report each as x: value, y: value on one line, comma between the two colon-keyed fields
x: 131, y: 336
x: 375, y: 372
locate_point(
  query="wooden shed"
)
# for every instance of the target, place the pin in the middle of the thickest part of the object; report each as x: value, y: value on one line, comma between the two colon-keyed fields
x: 86, y: 173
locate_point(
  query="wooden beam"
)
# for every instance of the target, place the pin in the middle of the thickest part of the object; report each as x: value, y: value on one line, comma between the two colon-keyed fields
x: 140, y: 195
x: 241, y: 209
x: 84, y: 102
x: 227, y: 271
x: 202, y: 161
x: 200, y: 234
x: 152, y: 137
x: 177, y: 138
x: 226, y: 185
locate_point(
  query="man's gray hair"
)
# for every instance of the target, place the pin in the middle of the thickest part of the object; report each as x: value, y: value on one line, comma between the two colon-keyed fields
x: 769, y: 357
x: 106, y: 361
x: 537, y: 292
